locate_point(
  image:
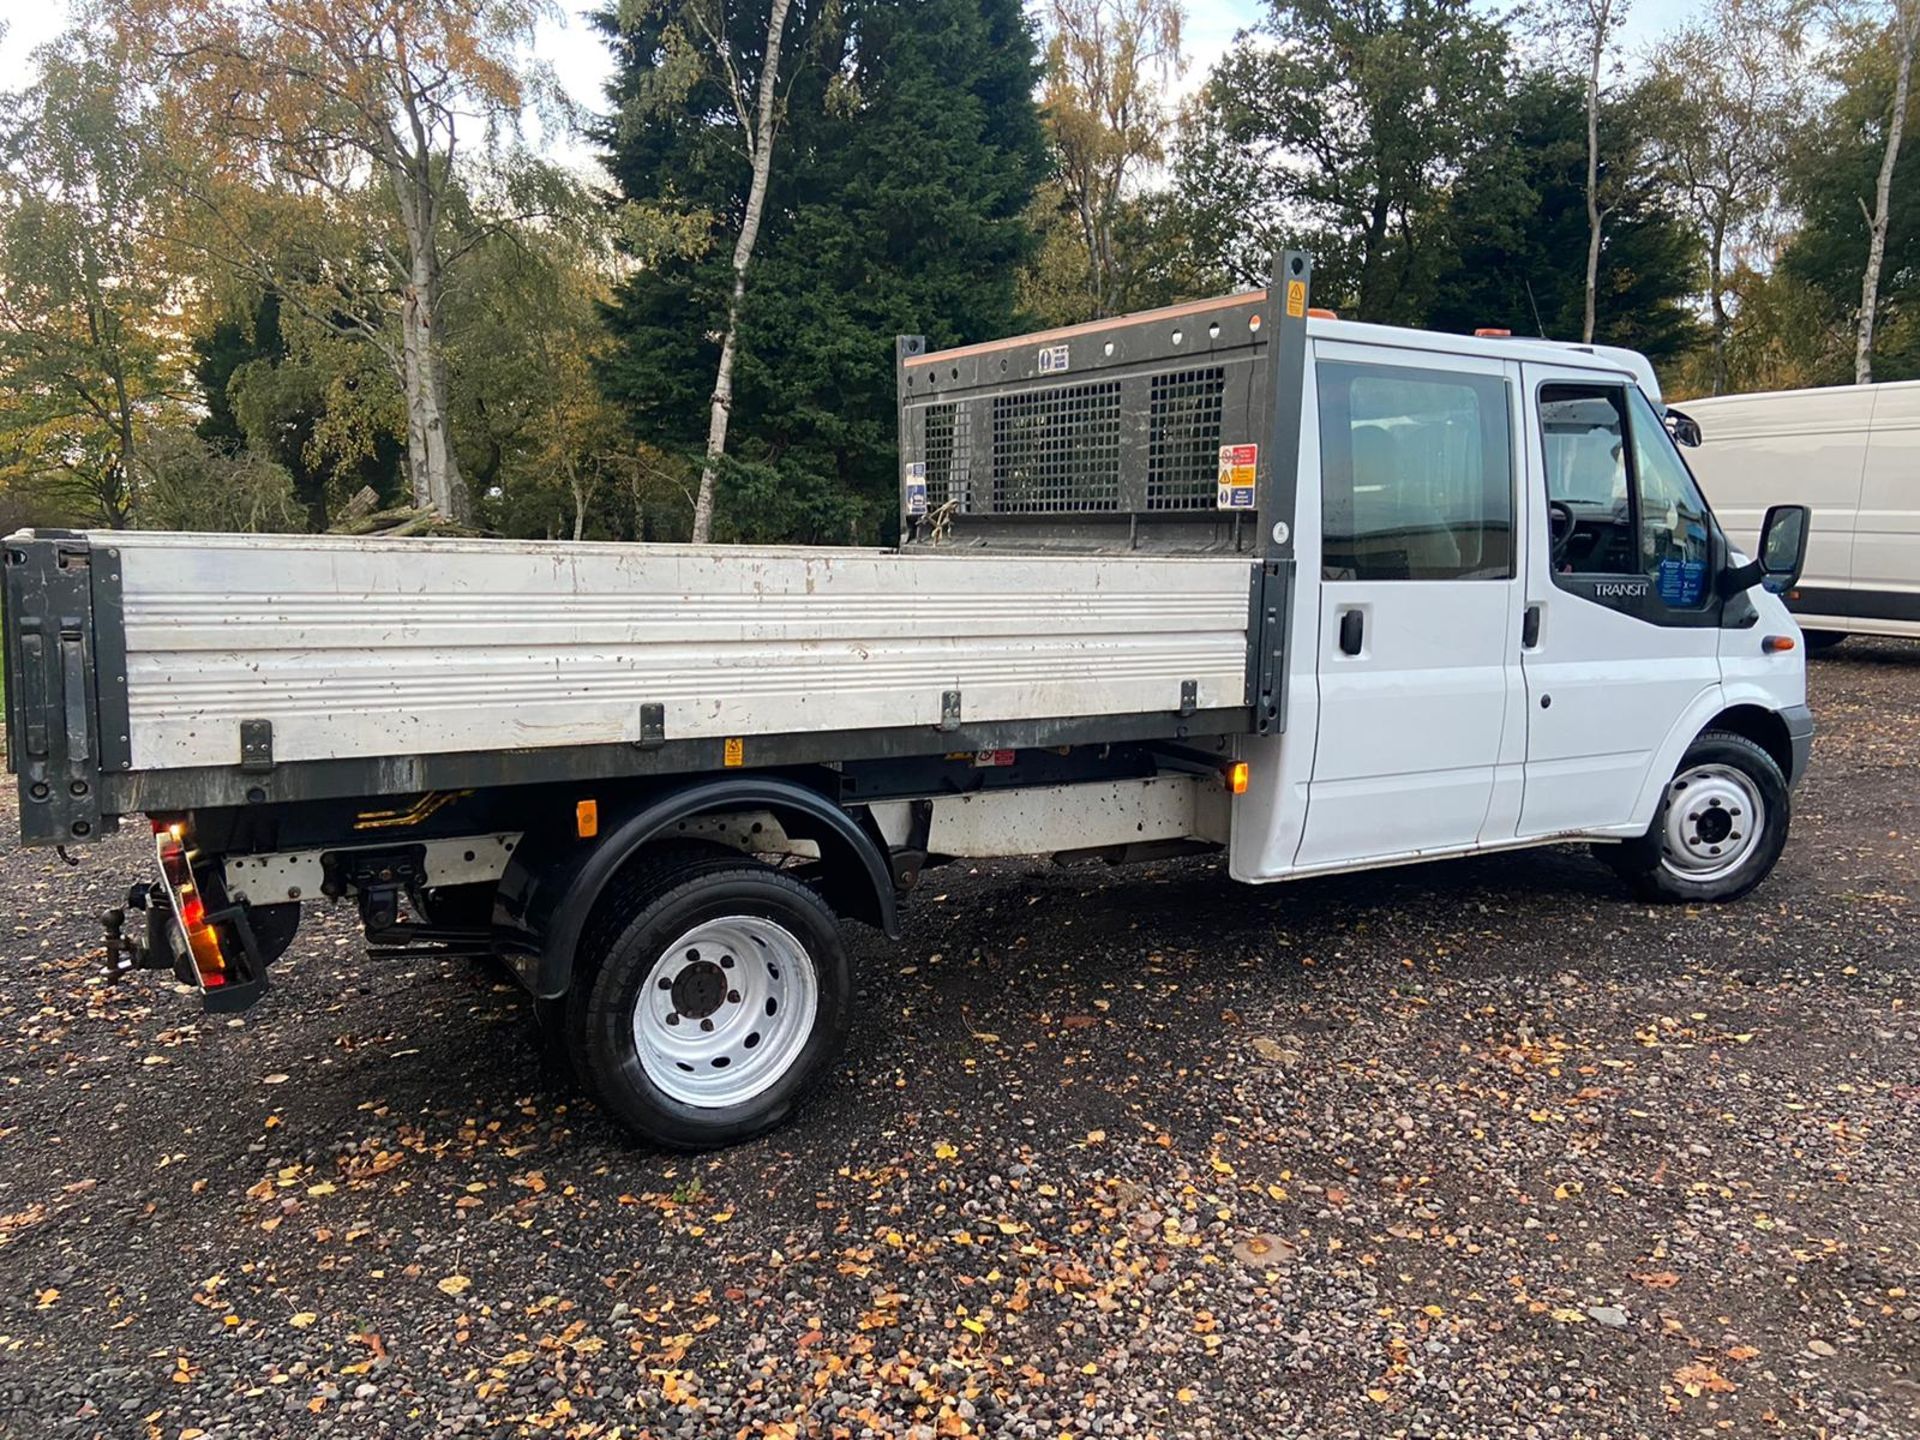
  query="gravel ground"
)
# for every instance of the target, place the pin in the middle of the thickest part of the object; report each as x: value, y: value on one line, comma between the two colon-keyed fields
x: 1479, y: 1148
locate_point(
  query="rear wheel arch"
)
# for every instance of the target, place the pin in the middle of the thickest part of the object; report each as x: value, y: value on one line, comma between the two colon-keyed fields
x: 854, y: 874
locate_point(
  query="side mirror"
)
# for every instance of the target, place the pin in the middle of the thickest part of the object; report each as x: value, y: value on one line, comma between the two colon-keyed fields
x: 1684, y: 428
x: 1783, y: 551
x: 1783, y: 546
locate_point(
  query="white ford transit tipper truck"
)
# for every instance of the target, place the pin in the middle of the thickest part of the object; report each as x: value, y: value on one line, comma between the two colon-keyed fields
x: 1321, y: 595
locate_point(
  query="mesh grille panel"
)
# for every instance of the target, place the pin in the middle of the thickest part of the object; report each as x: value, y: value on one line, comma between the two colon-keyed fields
x: 949, y: 456
x: 1057, y: 451
x: 1183, y: 448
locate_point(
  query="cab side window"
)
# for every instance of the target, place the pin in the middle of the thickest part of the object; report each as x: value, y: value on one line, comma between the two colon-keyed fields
x: 1620, y: 500
x: 1675, y: 549
x: 1416, y: 470
x: 1589, y: 486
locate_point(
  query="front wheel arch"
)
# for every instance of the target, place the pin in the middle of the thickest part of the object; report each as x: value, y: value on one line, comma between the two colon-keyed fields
x: 1763, y: 727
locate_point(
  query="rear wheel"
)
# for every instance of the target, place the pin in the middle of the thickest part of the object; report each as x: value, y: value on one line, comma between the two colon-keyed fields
x: 1720, y: 828
x: 1818, y: 640
x: 703, y: 1018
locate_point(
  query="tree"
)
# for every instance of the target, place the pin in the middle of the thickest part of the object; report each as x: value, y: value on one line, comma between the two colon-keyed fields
x: 714, y: 78
x: 192, y: 485
x: 1161, y: 265
x: 1905, y: 27
x: 1596, y: 24
x: 914, y: 151
x: 1338, y: 128
x: 1833, y: 181
x: 1105, y: 107
x: 362, y: 105
x: 301, y: 396
x: 87, y: 343
x: 1518, y: 210
x: 542, y: 443
x: 1730, y: 93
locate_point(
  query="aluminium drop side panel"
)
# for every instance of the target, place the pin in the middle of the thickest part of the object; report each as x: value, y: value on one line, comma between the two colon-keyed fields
x: 359, y: 647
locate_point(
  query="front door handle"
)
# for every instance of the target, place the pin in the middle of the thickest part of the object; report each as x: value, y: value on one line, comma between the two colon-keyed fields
x: 1530, y: 627
x: 1353, y: 630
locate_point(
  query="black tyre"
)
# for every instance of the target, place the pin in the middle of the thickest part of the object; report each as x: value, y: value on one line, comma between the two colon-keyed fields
x: 1720, y: 827
x: 1819, y: 640
x: 711, y: 993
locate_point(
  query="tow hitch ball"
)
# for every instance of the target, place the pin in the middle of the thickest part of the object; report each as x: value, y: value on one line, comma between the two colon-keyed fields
x: 141, y: 951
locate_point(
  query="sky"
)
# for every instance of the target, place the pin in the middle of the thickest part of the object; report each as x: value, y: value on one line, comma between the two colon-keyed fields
x: 582, y: 64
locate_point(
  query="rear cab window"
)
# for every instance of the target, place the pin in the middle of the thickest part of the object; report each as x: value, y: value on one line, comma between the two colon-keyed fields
x: 1416, y: 474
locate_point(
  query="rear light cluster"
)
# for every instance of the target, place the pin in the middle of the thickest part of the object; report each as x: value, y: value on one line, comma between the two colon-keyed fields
x: 189, y: 907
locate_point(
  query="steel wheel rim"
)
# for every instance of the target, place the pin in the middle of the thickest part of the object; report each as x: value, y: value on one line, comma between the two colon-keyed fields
x: 1715, y: 818
x: 725, y: 1011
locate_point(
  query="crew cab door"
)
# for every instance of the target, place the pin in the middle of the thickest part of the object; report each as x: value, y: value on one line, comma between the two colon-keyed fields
x: 1420, y: 697
x: 1622, y: 633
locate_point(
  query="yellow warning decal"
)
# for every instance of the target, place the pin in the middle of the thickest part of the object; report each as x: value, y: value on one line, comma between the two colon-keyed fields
x: 1296, y: 299
x: 734, y: 752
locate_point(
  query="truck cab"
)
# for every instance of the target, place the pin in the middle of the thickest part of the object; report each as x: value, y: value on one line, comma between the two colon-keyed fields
x: 1506, y: 543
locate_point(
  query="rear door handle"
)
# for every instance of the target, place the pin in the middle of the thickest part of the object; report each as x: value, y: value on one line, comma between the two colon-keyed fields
x: 1530, y: 627
x: 1353, y: 630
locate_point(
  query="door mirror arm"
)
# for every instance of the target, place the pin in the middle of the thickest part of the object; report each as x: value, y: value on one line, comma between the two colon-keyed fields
x: 1738, y: 579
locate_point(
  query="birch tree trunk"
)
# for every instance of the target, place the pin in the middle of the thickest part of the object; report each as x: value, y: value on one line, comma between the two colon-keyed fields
x: 1717, y: 297
x: 1601, y: 13
x: 1907, y: 23
x: 760, y: 152
x: 432, y: 466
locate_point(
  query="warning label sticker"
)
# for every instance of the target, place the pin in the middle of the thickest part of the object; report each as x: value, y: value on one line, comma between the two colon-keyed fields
x: 1238, y: 463
x: 1053, y: 360
x: 917, y: 488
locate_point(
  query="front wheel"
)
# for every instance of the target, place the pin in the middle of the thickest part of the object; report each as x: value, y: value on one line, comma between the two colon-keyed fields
x: 1721, y: 825
x: 1822, y: 640
x: 703, y: 1019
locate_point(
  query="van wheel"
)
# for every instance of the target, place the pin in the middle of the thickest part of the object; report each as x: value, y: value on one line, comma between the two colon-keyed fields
x: 1720, y: 827
x: 1818, y: 640
x: 703, y: 1018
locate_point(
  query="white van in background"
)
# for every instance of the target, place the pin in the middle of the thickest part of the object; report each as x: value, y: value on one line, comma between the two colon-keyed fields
x: 1852, y: 452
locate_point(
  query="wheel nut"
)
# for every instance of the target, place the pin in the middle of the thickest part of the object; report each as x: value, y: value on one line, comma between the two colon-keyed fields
x: 726, y: 962
x: 706, y: 1024
x: 666, y: 983
x: 733, y: 997
x: 673, y: 1019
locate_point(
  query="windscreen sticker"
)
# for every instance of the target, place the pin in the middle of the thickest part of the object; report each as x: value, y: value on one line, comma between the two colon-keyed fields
x: 1053, y: 360
x: 1682, y: 583
x: 1238, y: 464
x: 917, y: 488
